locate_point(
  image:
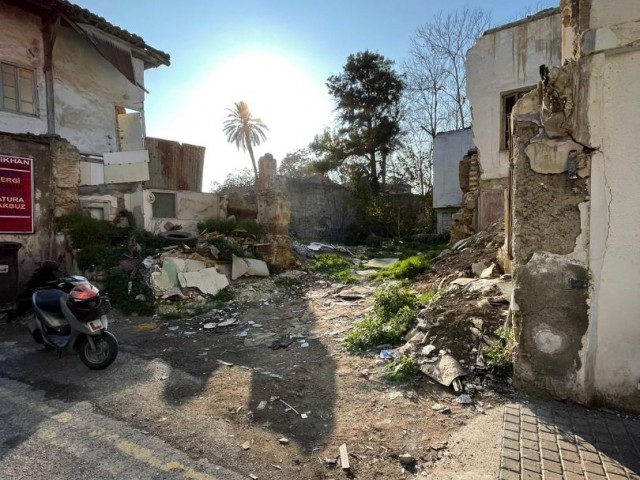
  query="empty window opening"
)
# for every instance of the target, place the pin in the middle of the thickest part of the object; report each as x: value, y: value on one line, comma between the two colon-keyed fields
x: 508, y: 102
x: 164, y: 205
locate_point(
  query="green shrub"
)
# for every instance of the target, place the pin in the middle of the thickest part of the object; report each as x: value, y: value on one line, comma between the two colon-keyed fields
x: 404, y: 369
x: 403, y: 269
x: 392, y: 298
x: 393, y: 311
x: 117, y: 288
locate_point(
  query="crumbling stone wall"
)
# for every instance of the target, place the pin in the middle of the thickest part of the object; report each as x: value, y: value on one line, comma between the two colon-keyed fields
x: 56, y: 168
x: 465, y: 220
x: 550, y: 193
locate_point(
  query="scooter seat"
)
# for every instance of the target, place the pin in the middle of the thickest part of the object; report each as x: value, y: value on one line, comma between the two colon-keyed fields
x: 49, y: 300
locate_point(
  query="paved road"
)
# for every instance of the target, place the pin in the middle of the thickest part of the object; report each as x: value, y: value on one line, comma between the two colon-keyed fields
x: 42, y: 438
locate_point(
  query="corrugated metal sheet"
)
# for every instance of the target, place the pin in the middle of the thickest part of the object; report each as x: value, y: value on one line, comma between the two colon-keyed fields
x: 173, y: 166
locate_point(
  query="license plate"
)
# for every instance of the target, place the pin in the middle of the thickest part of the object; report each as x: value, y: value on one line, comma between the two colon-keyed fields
x: 95, y: 325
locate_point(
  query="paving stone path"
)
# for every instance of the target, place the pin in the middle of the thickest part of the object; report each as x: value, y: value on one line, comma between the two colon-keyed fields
x: 551, y: 441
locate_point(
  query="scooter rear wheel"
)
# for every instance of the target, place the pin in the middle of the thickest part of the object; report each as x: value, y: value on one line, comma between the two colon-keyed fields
x: 105, y: 353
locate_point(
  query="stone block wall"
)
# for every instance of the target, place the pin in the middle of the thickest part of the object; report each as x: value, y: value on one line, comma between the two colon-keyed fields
x: 56, y: 175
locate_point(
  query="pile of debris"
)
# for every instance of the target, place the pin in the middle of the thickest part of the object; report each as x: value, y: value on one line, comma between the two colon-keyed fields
x: 471, y: 303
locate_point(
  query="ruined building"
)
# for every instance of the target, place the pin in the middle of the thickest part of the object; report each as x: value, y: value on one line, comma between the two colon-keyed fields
x: 572, y: 233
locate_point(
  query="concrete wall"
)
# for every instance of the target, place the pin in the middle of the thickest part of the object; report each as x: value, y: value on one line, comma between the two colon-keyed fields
x: 320, y: 210
x: 191, y: 208
x: 506, y: 60
x: 87, y: 87
x: 448, y: 150
x: 22, y: 45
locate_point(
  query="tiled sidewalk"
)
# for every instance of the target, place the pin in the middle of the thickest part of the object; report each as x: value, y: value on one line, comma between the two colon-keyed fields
x: 551, y: 441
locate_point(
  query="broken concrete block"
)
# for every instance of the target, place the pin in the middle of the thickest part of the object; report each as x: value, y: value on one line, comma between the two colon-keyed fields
x: 239, y: 267
x: 549, y: 156
x: 207, y: 280
x: 380, y: 262
x: 256, y: 268
x: 487, y: 272
x: 478, y: 268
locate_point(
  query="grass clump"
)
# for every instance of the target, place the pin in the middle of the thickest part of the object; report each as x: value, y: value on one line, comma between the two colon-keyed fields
x: 499, y: 355
x: 408, y: 268
x: 404, y: 369
x: 394, y: 308
x: 425, y: 298
x: 336, y: 266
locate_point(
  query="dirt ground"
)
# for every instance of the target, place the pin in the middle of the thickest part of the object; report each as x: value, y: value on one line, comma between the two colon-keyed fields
x: 346, y: 398
x: 274, y: 394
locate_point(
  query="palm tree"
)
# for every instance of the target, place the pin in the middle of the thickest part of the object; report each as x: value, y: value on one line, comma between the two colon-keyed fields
x: 244, y: 130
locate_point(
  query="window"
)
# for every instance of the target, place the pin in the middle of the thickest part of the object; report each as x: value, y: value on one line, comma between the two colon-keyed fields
x: 164, y: 205
x: 18, y: 89
x: 508, y: 102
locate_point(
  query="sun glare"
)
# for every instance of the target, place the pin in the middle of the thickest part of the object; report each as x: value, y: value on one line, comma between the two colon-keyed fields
x: 282, y: 94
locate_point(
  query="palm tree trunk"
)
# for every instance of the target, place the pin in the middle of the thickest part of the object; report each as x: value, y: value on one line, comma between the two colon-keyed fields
x: 253, y: 160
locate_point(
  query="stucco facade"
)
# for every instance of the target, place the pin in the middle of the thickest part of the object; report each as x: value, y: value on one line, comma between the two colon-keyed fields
x: 448, y: 150
x: 506, y: 60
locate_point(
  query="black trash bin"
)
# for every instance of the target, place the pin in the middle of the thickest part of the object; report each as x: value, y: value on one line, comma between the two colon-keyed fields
x: 9, y: 275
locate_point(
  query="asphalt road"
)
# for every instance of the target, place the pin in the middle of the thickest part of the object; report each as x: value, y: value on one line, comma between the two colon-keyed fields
x: 46, y: 438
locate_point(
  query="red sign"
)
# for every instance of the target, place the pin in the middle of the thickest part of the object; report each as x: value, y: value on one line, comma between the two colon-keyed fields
x: 16, y: 194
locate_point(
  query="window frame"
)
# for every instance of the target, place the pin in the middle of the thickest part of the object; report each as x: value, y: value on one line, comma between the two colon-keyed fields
x: 34, y: 87
x: 504, y: 119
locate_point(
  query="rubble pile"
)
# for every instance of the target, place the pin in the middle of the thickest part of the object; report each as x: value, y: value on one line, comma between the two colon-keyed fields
x: 471, y: 303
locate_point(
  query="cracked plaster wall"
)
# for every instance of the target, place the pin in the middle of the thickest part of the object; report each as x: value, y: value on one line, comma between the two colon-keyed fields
x: 604, y: 365
x: 549, y: 235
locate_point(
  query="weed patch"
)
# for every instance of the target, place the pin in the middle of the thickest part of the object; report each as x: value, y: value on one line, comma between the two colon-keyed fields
x: 404, y: 369
x: 499, y: 356
x: 425, y: 298
x: 336, y: 266
x: 410, y: 267
x: 394, y: 308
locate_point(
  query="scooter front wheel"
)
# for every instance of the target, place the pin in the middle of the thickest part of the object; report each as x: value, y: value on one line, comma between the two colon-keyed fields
x: 105, y: 352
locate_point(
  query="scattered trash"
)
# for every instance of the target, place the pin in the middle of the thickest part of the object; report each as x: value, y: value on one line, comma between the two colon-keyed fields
x: 262, y: 405
x: 387, y: 354
x: 227, y: 323
x: 253, y: 477
x: 444, y: 370
x: 438, y: 407
x: 246, y: 445
x: 304, y: 345
x: 244, y: 333
x: 464, y: 399
x: 209, y: 326
x: 284, y: 441
x: 304, y: 416
x: 226, y: 364
x: 290, y: 407
x: 344, y: 457
x: 173, y: 329
x: 427, y: 350
x: 406, y: 459
x: 331, y: 462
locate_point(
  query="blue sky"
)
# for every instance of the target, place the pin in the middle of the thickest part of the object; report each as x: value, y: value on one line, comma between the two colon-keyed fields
x: 275, y: 54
